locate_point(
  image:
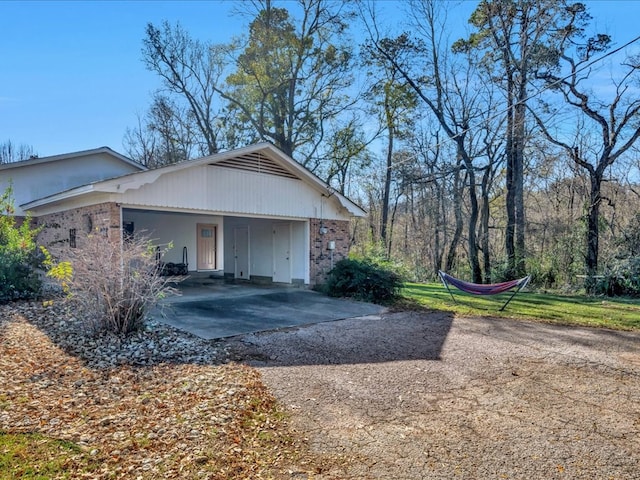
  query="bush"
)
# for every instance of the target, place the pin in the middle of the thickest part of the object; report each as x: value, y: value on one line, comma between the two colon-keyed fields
x: 363, y: 280
x: 620, y: 278
x: 20, y: 258
x: 19, y: 277
x: 112, y: 287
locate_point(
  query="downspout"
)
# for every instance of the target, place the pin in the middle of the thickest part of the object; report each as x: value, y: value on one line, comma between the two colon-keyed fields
x: 121, y: 246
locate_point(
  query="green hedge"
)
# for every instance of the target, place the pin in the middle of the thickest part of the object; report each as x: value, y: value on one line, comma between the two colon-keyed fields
x: 363, y: 280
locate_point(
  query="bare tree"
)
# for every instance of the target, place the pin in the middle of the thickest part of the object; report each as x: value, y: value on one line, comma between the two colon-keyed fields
x: 284, y: 83
x: 393, y: 102
x: 346, y: 151
x: 14, y: 153
x: 615, y: 127
x: 166, y: 135
x: 517, y: 36
x: 191, y: 70
x: 448, y: 90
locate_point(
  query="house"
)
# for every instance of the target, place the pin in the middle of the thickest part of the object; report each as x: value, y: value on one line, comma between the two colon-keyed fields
x: 251, y: 213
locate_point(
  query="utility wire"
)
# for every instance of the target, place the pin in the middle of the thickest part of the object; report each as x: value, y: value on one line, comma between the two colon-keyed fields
x: 530, y: 97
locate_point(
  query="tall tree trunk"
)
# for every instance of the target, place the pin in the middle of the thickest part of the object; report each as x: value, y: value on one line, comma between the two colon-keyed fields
x: 509, y: 236
x: 476, y: 272
x: 484, y: 226
x: 387, y: 185
x: 392, y: 224
x: 593, y: 232
x: 518, y: 178
x: 457, y: 209
x: 438, y: 220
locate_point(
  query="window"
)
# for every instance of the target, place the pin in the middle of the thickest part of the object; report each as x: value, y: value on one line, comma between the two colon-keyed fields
x: 127, y: 231
x: 72, y: 237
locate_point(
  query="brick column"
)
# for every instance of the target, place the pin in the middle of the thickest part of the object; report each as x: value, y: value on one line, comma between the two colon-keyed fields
x: 321, y: 257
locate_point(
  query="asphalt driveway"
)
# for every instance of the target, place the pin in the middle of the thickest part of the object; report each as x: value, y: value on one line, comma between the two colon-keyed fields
x: 225, y: 310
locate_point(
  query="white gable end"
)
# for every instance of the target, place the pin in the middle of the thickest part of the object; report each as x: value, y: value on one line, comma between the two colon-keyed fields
x: 252, y: 181
x: 224, y: 190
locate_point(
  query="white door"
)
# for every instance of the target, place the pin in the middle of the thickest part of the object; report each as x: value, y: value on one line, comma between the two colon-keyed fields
x: 282, y: 252
x: 241, y: 252
x: 206, y: 254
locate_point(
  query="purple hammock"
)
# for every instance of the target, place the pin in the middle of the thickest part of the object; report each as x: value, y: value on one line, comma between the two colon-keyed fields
x: 484, y: 289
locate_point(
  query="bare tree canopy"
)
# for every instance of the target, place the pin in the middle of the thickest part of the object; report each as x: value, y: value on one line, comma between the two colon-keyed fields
x: 285, y: 82
x: 605, y: 129
x: 14, y: 153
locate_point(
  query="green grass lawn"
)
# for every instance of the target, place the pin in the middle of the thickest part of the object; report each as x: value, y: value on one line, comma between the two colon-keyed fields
x: 616, y: 313
x: 33, y: 456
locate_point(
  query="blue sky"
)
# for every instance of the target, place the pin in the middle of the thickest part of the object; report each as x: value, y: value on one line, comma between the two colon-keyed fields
x: 71, y: 75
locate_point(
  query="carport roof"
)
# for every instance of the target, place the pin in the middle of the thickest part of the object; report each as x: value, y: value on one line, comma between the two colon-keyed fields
x: 262, y: 157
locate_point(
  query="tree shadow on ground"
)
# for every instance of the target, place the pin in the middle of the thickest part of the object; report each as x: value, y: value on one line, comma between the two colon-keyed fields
x: 384, y: 337
x: 389, y: 337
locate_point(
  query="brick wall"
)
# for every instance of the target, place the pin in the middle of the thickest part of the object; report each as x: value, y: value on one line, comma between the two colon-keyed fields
x: 103, y: 218
x: 321, y: 259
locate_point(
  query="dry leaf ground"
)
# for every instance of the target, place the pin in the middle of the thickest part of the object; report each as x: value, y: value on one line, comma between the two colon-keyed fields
x: 137, y: 409
x: 404, y: 395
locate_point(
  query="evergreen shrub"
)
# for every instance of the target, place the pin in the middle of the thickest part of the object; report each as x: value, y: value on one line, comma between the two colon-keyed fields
x: 621, y: 278
x: 365, y: 280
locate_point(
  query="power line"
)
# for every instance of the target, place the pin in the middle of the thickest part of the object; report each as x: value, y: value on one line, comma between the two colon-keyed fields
x: 530, y: 97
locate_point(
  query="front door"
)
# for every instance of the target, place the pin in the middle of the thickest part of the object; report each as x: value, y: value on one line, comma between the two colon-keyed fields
x: 282, y: 252
x: 241, y: 252
x: 206, y: 246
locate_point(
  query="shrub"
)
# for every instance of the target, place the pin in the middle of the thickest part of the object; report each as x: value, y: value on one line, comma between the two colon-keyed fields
x: 112, y: 286
x: 363, y: 280
x: 622, y: 277
x: 20, y: 258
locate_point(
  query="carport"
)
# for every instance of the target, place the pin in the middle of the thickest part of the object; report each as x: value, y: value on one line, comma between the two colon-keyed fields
x: 219, y: 309
x: 269, y: 249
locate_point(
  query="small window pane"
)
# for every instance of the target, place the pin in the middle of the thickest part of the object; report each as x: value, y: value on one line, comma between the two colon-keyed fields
x: 206, y: 233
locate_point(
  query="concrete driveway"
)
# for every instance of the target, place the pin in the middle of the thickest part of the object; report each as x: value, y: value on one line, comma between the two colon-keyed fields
x: 220, y: 310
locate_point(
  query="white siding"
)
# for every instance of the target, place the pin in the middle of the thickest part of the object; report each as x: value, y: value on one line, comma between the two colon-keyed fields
x: 182, y: 189
x: 300, y: 246
x: 76, y: 202
x: 180, y: 229
x: 228, y: 191
x: 31, y: 182
x: 261, y: 247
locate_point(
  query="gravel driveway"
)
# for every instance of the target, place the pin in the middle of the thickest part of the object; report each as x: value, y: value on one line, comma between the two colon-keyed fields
x: 428, y: 396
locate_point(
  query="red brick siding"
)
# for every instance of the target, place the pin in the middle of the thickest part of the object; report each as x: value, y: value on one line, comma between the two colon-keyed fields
x: 320, y: 261
x: 102, y: 218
